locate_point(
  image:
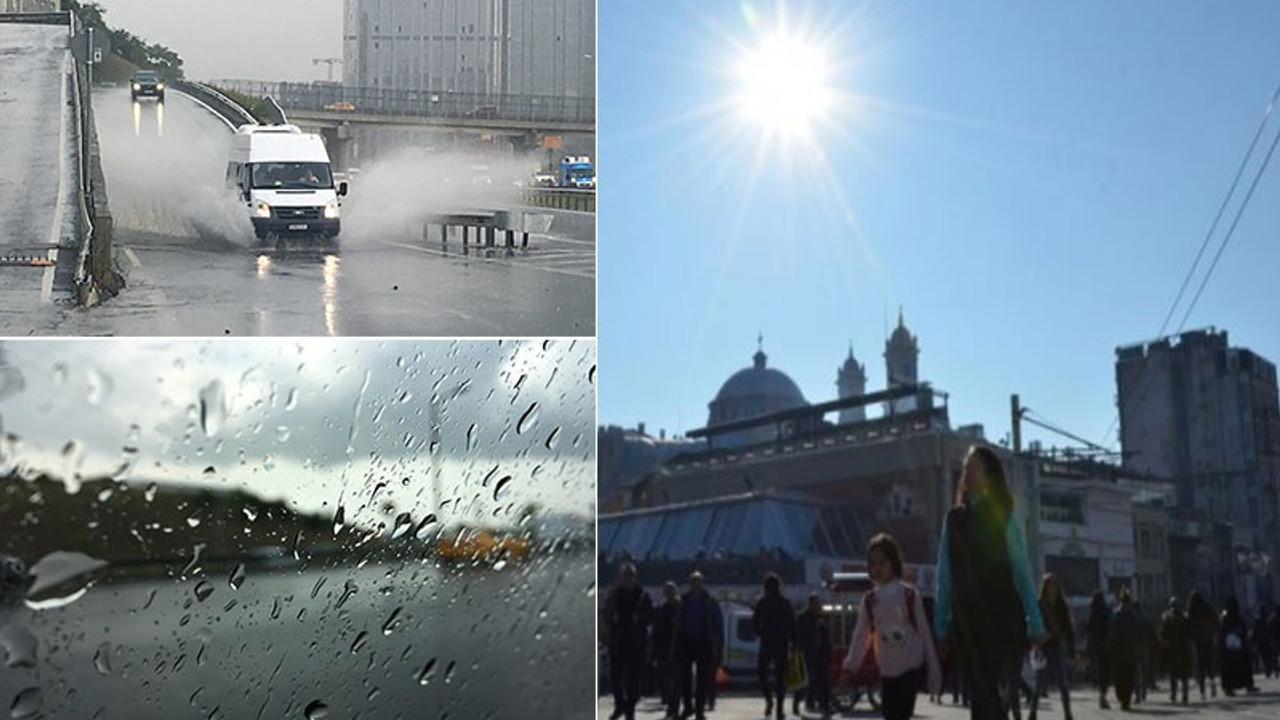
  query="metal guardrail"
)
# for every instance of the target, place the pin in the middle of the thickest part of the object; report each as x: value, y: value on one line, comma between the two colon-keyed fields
x: 275, y: 113
x: 422, y: 103
x: 96, y: 273
x: 559, y: 199
x: 46, y: 15
x: 226, y: 108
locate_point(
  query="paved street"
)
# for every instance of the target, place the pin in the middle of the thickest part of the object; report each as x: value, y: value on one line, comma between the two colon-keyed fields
x: 1084, y: 705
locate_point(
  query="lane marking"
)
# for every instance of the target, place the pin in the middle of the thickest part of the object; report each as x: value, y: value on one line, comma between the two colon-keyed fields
x: 133, y: 256
x: 481, y: 258
x: 46, y: 282
x: 55, y: 229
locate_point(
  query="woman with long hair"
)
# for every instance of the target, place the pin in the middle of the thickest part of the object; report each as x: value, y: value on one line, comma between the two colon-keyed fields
x: 1233, y: 648
x: 1098, y: 629
x: 1061, y: 644
x: 987, y: 607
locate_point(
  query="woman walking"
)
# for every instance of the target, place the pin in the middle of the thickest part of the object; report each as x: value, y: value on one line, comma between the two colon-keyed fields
x: 1061, y: 645
x: 1098, y: 628
x: 775, y: 622
x: 892, y: 622
x: 1203, y: 627
x: 987, y: 608
x: 1233, y: 644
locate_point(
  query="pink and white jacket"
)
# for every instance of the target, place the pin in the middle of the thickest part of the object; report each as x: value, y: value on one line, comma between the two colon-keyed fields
x: 900, y: 645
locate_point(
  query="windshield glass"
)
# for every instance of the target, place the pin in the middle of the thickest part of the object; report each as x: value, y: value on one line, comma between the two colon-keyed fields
x: 148, y: 75
x: 292, y: 175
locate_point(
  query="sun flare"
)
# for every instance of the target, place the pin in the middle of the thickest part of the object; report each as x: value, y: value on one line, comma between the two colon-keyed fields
x: 783, y: 84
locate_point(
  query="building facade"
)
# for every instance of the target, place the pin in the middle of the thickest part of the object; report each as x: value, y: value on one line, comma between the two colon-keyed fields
x: 482, y: 47
x: 1207, y: 415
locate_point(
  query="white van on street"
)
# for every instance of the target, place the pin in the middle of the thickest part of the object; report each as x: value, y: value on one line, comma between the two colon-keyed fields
x: 284, y: 178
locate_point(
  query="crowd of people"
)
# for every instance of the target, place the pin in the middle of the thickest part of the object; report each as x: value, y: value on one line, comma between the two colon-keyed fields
x: 994, y: 633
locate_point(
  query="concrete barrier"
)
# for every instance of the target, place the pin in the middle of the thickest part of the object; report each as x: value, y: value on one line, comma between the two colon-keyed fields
x: 96, y: 275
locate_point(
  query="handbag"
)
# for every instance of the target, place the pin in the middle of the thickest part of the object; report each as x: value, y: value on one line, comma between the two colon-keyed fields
x: 796, y: 676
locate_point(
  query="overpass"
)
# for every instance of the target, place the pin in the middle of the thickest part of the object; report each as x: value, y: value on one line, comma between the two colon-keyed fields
x: 510, y: 115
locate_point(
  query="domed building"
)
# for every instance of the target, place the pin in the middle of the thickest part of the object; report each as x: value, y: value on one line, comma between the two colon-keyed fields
x: 752, y: 392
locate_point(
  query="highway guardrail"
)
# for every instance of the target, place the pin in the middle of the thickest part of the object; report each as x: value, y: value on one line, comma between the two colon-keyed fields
x: 559, y: 199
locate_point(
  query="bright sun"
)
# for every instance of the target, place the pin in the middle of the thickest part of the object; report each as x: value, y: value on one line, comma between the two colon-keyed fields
x: 783, y: 84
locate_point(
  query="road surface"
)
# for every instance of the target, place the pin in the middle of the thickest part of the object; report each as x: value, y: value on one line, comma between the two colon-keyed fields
x: 192, y: 267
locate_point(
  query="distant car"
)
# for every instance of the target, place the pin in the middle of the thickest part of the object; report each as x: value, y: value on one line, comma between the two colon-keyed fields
x: 341, y: 106
x: 14, y: 579
x: 546, y: 180
x: 147, y: 83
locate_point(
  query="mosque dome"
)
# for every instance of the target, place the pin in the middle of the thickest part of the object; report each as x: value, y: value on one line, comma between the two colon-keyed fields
x: 757, y: 390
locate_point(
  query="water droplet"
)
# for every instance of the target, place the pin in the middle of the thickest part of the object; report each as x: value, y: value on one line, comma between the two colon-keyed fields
x: 339, y: 519
x: 292, y: 401
x: 62, y: 578
x: 317, y: 711
x: 193, y: 521
x: 392, y: 622
x: 424, y: 526
x: 471, y: 436
x: 315, y: 590
x: 203, y: 590
x: 19, y: 646
x: 72, y: 461
x: 360, y: 640
x: 448, y: 671
x: 282, y: 433
x: 193, y: 566
x: 591, y: 375
x: 237, y: 577
x: 150, y: 493
x: 500, y: 565
x: 405, y: 397
x: 102, y: 659
x: 26, y: 704
x: 105, y: 494
x: 349, y: 588
x: 58, y: 373
x: 553, y: 439
x: 250, y: 512
x: 275, y: 609
x: 500, y: 486
x: 528, y: 419
x: 100, y: 386
x: 213, y: 408
x: 428, y: 672
x: 404, y: 523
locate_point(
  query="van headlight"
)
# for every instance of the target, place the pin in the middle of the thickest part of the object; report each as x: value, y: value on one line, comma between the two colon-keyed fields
x: 261, y: 209
x: 136, y: 86
x: 159, y: 86
x: 331, y: 210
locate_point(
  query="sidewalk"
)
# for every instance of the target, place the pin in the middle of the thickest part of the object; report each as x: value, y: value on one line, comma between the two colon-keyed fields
x: 1084, y: 706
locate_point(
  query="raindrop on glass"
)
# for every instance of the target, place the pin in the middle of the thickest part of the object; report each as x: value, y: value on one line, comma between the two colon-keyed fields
x: 448, y: 671
x: 19, y: 646
x: 428, y: 672
x: 237, y: 577
x: 360, y: 640
x: 339, y: 519
x: 213, y: 408
x: 292, y: 401
x: 317, y: 710
x: 315, y: 590
x: 150, y: 493
x: 100, y: 386
x: 553, y: 439
x: 403, y: 524
x: 102, y: 659
x: 282, y: 433
x: 392, y: 622
x: 203, y: 590
x: 500, y: 486
x: 424, y: 525
x: 349, y: 588
x: 528, y: 419
x: 26, y: 704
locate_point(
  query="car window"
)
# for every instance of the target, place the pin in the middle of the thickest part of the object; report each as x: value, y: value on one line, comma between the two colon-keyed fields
x: 300, y: 528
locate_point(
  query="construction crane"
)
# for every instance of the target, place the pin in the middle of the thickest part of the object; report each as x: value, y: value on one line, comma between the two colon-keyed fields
x: 327, y: 61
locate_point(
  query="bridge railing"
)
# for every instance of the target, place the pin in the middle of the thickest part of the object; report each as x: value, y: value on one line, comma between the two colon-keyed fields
x: 559, y: 199
x: 223, y: 106
x: 421, y: 103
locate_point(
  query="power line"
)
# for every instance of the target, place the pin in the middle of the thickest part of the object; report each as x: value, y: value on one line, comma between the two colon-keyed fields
x: 1051, y: 427
x: 1235, y: 182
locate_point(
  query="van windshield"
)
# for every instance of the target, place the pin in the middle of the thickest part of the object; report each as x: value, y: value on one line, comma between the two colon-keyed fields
x: 292, y: 175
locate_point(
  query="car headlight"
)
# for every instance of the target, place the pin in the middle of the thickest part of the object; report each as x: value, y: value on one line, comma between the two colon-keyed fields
x: 331, y: 210
x: 262, y: 210
x: 136, y: 86
x: 159, y: 86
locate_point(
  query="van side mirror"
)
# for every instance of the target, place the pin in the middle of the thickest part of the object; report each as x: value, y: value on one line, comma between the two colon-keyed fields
x: 342, y: 188
x: 245, y: 194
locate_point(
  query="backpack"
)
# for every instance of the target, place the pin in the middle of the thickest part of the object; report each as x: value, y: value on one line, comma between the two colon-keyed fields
x: 869, y: 672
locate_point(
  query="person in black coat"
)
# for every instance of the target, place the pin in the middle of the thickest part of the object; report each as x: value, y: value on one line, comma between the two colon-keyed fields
x: 699, y: 637
x: 1124, y: 644
x: 627, y: 614
x: 1098, y: 631
x: 813, y: 637
x: 1233, y: 648
x: 775, y: 622
x: 1203, y: 626
x: 1262, y: 641
x: 664, y: 648
x: 1178, y: 648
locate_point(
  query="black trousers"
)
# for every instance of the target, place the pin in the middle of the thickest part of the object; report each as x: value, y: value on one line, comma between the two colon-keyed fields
x: 698, y: 675
x: 1126, y: 676
x: 1204, y: 664
x: 777, y: 656
x: 625, y: 667
x: 898, y: 694
x: 817, y: 666
x: 669, y: 679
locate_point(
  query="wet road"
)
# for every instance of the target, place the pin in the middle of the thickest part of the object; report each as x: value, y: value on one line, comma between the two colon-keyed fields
x: 377, y: 642
x: 193, y: 269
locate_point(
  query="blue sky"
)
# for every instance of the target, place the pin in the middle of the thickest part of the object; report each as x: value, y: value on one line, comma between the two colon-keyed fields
x: 1029, y: 181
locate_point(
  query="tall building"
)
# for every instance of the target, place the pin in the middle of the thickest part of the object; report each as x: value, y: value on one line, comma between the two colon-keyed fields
x: 753, y: 392
x: 901, y: 360
x: 484, y: 47
x: 851, y: 381
x: 1207, y: 415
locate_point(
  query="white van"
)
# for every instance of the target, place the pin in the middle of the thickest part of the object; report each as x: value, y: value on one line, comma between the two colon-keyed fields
x: 284, y: 178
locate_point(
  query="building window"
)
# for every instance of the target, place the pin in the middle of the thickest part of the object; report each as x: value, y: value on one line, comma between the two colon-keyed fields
x: 1062, y: 508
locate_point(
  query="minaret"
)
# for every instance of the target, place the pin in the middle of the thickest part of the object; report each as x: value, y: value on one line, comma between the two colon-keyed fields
x: 851, y: 381
x: 901, y: 359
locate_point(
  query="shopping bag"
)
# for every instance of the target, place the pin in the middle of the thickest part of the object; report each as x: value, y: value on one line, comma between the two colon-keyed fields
x: 722, y: 676
x: 796, y: 676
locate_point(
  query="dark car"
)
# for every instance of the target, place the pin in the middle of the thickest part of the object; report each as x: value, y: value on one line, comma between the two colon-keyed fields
x: 147, y: 83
